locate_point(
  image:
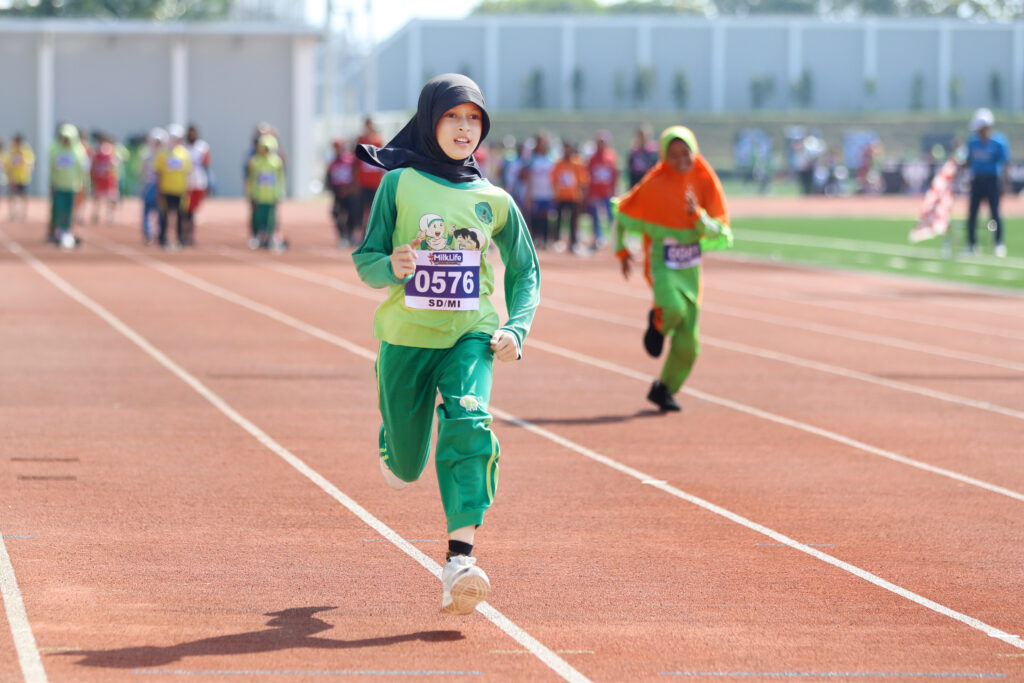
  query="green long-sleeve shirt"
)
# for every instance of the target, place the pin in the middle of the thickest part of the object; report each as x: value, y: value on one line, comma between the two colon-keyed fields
x: 434, y: 307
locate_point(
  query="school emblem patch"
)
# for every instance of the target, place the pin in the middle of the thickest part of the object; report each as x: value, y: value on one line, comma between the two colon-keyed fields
x: 484, y: 213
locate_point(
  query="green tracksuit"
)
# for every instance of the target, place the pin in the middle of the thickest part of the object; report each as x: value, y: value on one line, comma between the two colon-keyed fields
x: 677, y: 287
x: 435, y: 326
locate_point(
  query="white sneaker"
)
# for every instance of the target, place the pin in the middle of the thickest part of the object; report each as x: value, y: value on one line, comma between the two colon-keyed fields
x: 1001, y: 250
x: 253, y: 243
x: 390, y: 477
x: 464, y: 585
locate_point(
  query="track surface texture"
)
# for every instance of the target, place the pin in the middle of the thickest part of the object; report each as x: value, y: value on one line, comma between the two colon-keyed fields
x: 190, y: 488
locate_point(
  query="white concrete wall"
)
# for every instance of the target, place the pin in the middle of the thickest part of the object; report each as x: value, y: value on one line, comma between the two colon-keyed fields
x: 720, y: 58
x: 127, y: 77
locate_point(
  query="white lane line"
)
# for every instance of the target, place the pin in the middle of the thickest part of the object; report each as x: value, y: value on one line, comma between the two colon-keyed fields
x: 585, y: 312
x: 988, y: 630
x: 952, y: 288
x: 648, y: 480
x: 778, y: 419
x: 21, y: 629
x: 749, y: 410
x: 748, y: 314
x: 545, y: 655
x: 793, y: 298
x: 864, y: 246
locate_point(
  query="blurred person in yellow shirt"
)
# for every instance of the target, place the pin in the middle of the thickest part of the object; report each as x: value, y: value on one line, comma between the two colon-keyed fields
x: 265, y: 187
x: 19, y: 163
x: 173, y: 165
x: 68, y: 171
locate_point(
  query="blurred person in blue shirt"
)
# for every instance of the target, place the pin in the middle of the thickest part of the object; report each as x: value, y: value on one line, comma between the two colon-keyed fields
x: 987, y: 157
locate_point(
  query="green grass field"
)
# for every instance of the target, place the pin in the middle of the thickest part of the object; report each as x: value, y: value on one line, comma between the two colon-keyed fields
x: 881, y: 245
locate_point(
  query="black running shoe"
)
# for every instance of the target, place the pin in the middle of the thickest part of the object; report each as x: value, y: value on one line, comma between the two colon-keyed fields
x: 659, y: 395
x: 654, y: 341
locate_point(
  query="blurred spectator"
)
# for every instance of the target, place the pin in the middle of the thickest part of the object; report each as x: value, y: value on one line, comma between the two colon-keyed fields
x: 869, y: 180
x: 806, y: 152
x: 155, y: 142
x: 19, y: 164
x: 68, y: 169
x: 916, y: 175
x: 368, y: 176
x: 265, y: 188
x: 198, y: 180
x: 988, y: 156
x: 835, y: 175
x: 341, y: 182
x: 570, y: 178
x: 173, y: 166
x: 753, y: 156
x: 104, y: 172
x: 540, y: 191
x: 512, y: 162
x: 643, y: 155
x: 603, y: 168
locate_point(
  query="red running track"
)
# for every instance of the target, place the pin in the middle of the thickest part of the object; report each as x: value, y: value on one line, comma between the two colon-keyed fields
x: 190, y: 489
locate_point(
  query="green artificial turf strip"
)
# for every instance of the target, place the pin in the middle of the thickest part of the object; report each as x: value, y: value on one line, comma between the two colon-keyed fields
x: 881, y: 244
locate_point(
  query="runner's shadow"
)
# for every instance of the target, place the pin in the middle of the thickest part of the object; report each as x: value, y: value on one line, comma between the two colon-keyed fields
x: 593, y: 419
x: 289, y: 629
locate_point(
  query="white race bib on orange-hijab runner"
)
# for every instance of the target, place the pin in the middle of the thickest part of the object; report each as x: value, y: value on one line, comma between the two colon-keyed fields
x: 680, y: 256
x: 445, y: 280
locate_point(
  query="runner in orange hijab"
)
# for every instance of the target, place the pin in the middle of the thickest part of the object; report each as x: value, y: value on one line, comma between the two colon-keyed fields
x: 679, y: 208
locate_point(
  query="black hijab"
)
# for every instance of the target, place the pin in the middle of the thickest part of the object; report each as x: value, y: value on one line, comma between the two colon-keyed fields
x: 416, y: 146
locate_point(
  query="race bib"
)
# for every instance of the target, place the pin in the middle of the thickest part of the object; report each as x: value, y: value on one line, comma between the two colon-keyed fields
x: 341, y: 175
x: 680, y: 256
x: 602, y: 174
x: 266, y: 179
x: 445, y: 281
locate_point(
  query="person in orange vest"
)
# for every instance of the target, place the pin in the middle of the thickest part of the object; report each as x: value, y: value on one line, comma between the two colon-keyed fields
x: 570, y: 179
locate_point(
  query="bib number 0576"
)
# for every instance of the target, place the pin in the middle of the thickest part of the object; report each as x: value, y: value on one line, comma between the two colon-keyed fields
x: 445, y: 280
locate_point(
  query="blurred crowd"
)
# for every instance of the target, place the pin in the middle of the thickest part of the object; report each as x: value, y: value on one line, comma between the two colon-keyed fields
x: 859, y: 165
x: 169, y: 168
x: 563, y: 187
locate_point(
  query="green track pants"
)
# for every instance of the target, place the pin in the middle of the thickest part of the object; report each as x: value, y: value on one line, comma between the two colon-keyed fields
x: 466, y: 459
x: 675, y: 298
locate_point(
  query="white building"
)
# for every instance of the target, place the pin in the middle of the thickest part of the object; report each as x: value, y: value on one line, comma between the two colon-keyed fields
x: 126, y: 77
x: 594, y: 62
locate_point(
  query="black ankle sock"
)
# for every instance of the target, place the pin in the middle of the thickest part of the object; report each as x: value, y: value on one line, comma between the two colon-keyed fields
x: 458, y: 548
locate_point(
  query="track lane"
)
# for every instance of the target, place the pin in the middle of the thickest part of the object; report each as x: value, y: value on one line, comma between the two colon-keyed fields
x: 499, y: 382
x: 350, y: 546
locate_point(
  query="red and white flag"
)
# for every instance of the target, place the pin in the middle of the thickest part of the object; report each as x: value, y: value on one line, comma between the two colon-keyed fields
x: 933, y: 220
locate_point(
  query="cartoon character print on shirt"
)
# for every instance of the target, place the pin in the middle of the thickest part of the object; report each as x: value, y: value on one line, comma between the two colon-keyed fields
x: 433, y: 234
x: 468, y: 239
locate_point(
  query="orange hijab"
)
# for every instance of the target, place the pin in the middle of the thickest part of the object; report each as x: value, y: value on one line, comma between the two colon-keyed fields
x: 660, y: 197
